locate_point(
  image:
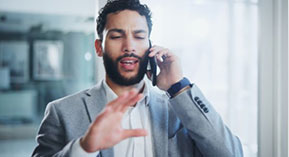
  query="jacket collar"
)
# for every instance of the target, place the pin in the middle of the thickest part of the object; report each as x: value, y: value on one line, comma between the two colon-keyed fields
x: 94, y: 101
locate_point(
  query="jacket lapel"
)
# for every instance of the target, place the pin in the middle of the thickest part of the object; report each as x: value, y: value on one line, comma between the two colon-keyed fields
x: 94, y: 103
x: 159, y: 124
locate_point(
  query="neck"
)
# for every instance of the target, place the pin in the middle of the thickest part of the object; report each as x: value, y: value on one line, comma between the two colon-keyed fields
x: 119, y: 89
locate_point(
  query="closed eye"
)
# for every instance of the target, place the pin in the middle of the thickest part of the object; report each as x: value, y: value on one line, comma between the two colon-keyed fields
x: 139, y: 37
x: 115, y: 37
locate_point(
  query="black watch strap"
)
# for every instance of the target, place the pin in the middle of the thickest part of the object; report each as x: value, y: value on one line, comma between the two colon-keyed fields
x: 175, y: 88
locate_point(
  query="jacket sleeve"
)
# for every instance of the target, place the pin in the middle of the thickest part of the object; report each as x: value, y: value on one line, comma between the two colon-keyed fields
x: 51, y: 136
x: 204, y: 124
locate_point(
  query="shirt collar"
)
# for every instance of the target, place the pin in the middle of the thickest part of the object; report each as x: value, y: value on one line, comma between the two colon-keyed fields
x: 110, y: 95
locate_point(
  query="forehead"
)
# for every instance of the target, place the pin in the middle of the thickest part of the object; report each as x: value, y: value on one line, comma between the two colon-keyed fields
x: 126, y: 19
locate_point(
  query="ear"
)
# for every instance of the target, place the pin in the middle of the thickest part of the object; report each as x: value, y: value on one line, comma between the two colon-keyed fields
x: 98, y: 47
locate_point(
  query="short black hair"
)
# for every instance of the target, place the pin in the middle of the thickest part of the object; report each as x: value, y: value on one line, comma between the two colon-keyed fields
x: 114, y: 6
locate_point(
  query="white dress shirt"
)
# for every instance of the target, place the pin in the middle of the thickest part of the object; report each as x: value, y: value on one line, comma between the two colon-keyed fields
x: 135, y: 118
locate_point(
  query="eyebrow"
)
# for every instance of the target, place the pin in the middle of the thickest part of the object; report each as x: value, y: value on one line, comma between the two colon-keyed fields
x: 139, y: 31
x: 123, y: 32
x: 116, y: 30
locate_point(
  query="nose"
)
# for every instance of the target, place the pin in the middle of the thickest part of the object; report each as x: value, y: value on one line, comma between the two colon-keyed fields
x: 128, y: 46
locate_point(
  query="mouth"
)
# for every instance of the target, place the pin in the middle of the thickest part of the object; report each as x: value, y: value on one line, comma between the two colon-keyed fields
x: 129, y: 63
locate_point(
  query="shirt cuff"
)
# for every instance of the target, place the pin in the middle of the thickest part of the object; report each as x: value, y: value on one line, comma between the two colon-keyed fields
x: 78, y: 151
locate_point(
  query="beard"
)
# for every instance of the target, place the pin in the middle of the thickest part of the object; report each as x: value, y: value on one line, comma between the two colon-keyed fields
x: 111, y: 68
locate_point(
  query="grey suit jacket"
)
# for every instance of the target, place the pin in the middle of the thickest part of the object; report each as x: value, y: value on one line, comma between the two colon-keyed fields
x: 184, y: 126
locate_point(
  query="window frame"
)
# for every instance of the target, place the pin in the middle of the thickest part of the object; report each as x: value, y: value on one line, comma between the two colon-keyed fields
x: 273, y: 78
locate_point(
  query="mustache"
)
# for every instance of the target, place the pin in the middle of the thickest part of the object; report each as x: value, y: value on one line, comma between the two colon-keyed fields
x: 128, y: 55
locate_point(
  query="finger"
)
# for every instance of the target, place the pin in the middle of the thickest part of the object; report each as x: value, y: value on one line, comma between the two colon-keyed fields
x: 154, y: 47
x: 119, y: 99
x: 118, y: 105
x: 131, y: 102
x: 162, y: 53
x: 134, y: 133
x: 155, y: 50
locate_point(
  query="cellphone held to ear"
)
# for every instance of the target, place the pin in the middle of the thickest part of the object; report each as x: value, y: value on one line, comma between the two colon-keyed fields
x: 152, y: 67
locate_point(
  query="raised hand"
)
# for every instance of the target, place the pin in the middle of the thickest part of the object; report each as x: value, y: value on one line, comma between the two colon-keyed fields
x: 106, y: 131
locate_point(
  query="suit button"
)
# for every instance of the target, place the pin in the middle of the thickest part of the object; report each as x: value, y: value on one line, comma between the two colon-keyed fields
x: 202, y: 105
x: 206, y: 110
x: 197, y: 98
x: 199, y: 102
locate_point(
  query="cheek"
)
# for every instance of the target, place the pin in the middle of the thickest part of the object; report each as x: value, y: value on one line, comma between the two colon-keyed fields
x: 143, y: 48
x: 112, y: 49
x: 142, y: 53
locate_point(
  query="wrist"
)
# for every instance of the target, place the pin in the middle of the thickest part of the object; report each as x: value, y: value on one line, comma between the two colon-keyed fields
x: 85, y: 146
x: 180, y: 91
x: 82, y: 145
x: 179, y: 87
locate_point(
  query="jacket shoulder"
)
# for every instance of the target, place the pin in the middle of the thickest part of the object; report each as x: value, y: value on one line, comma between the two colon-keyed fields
x: 74, y: 101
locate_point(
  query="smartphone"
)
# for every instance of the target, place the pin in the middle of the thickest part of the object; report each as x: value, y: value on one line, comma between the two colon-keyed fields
x: 152, y: 67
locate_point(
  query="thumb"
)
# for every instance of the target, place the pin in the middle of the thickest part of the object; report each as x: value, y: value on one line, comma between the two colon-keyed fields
x: 134, y: 133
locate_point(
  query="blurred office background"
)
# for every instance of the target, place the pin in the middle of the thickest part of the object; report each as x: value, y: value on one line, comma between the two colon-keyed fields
x: 236, y: 51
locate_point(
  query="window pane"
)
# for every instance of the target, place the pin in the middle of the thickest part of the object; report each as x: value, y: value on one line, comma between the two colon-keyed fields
x: 217, y: 44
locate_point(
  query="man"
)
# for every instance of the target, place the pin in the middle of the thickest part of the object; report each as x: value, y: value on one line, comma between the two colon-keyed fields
x: 122, y: 115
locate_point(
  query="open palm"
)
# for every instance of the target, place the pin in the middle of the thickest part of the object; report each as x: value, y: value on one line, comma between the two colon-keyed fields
x: 106, y: 131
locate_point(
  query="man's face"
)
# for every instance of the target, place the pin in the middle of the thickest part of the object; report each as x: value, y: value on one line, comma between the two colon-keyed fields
x: 125, y: 44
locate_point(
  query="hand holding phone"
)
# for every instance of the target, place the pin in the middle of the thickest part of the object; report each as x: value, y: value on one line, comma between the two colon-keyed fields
x: 168, y: 64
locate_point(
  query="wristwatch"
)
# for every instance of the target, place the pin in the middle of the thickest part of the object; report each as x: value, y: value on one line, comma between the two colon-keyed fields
x: 175, y: 88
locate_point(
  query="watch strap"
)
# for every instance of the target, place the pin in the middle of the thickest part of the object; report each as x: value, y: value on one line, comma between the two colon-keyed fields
x: 175, y: 88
